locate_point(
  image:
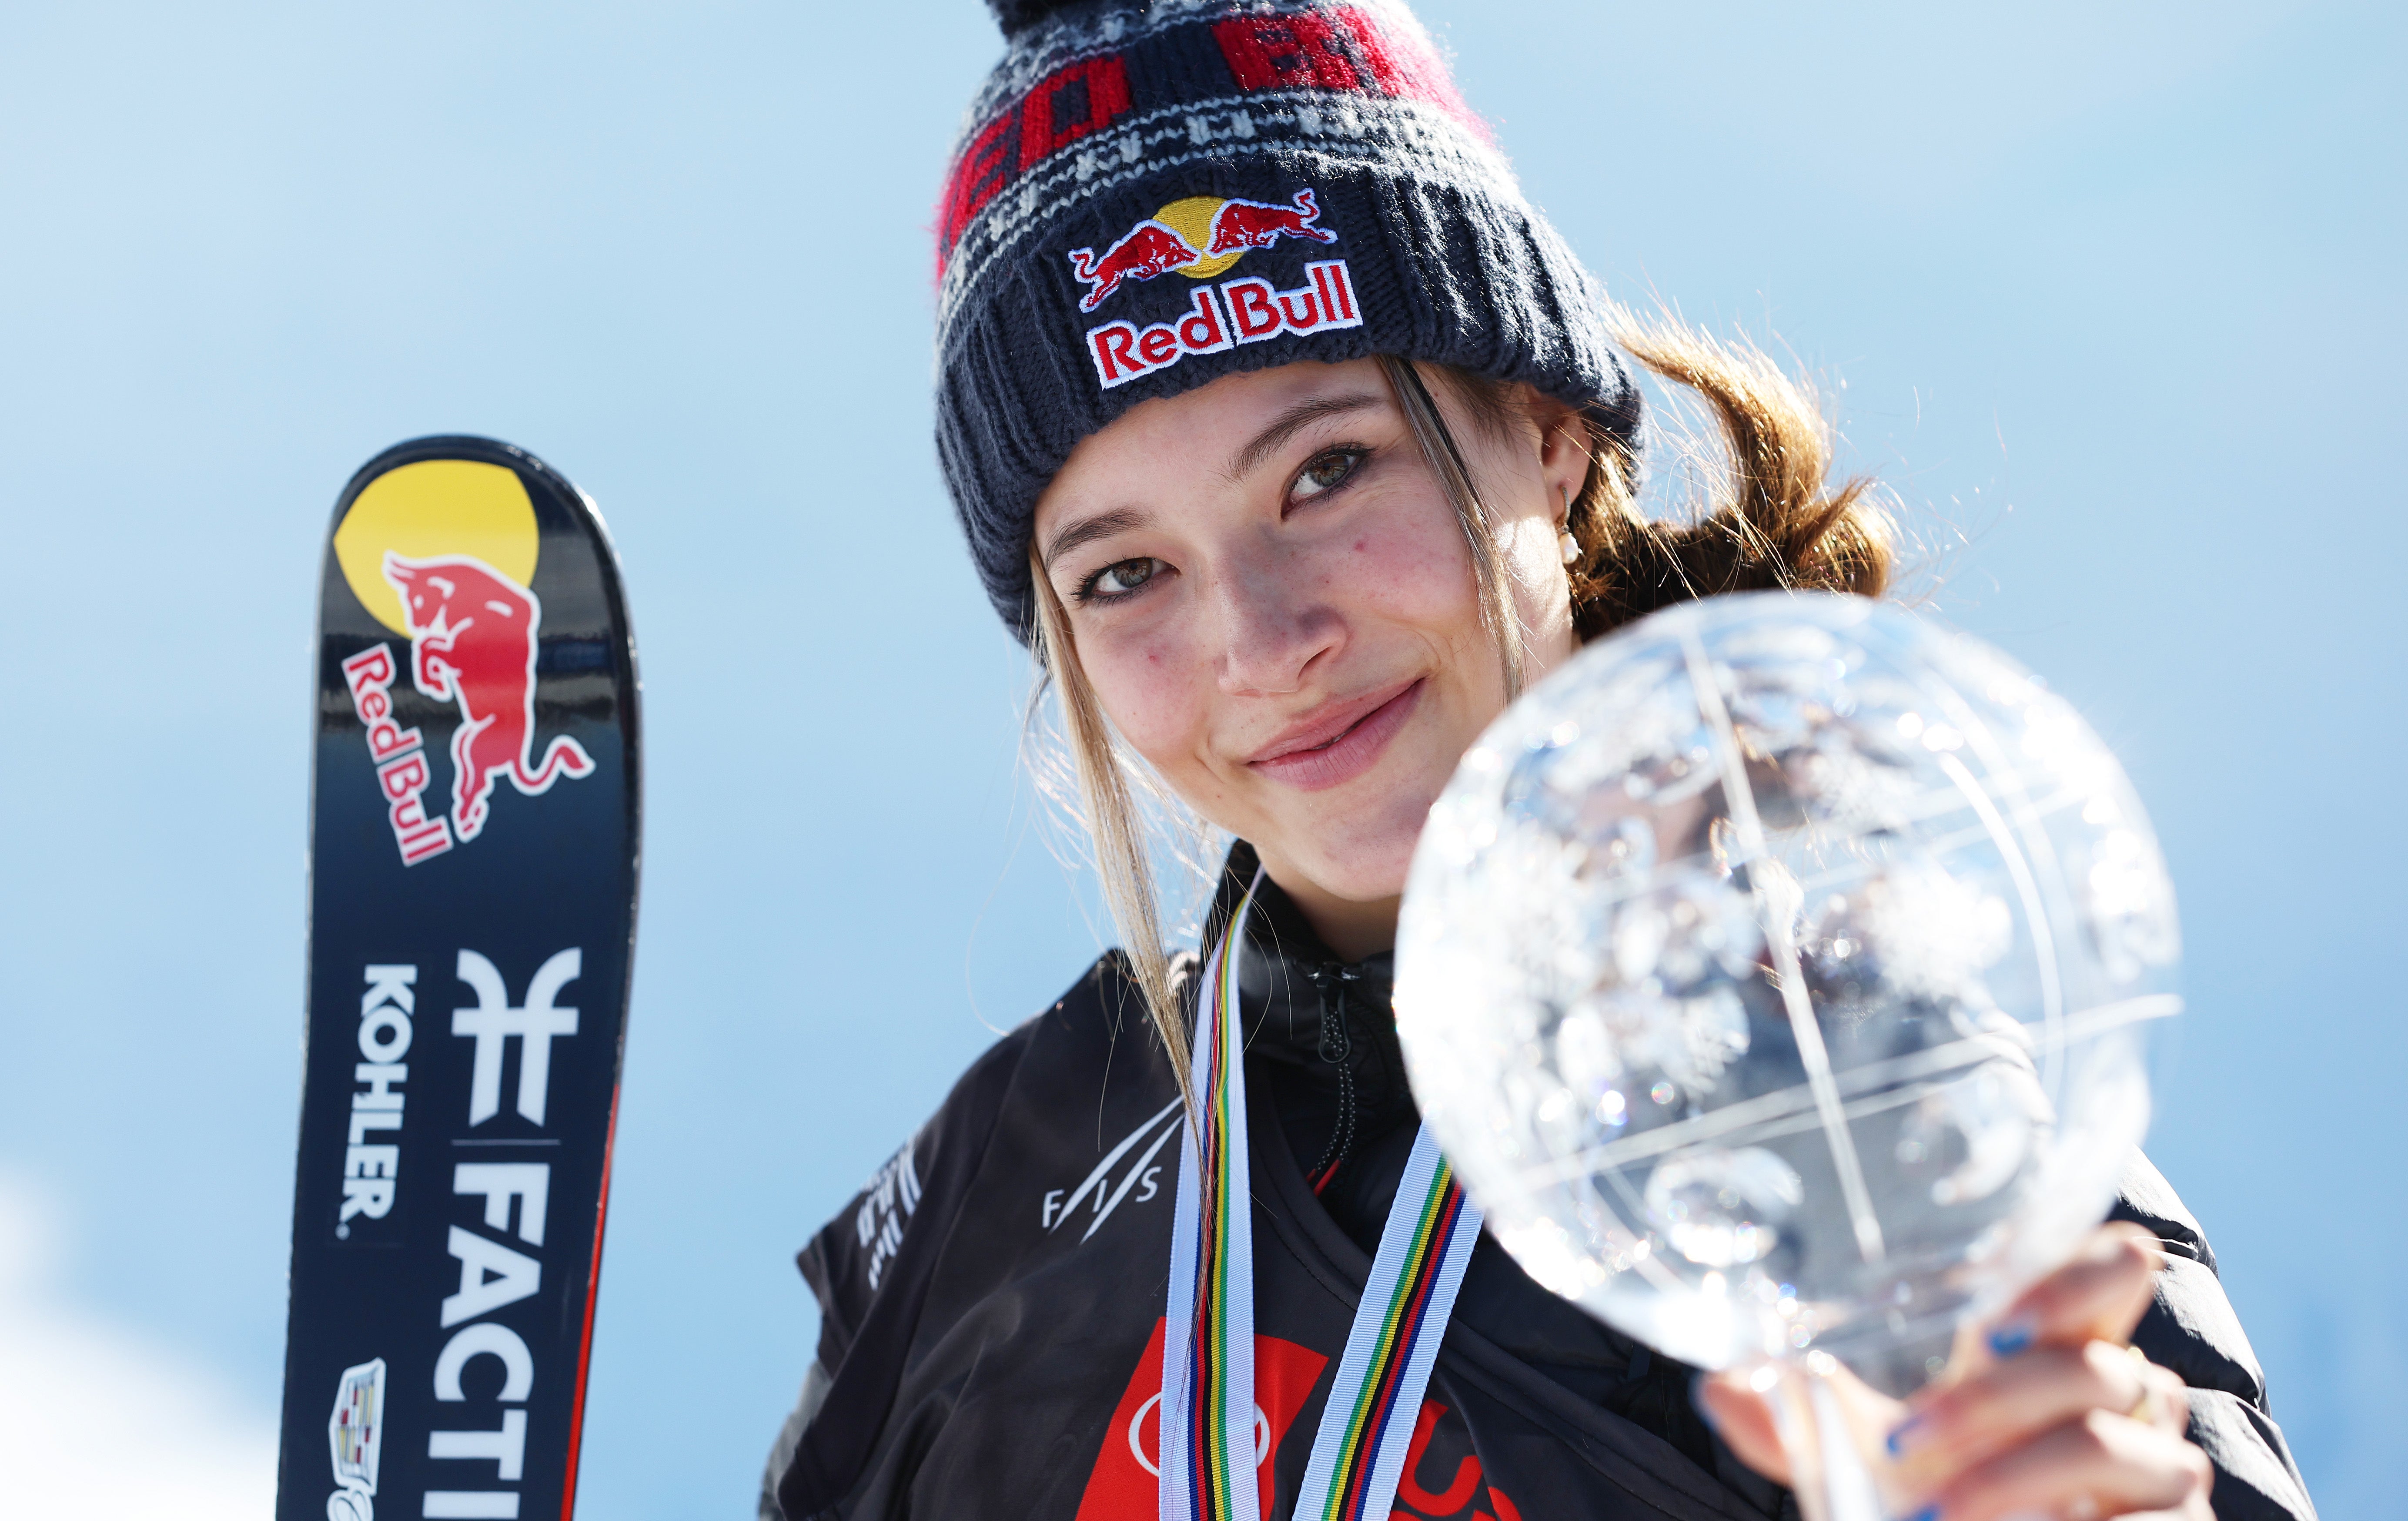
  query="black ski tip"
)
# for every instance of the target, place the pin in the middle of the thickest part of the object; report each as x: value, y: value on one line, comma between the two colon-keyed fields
x: 475, y: 844
x: 472, y: 447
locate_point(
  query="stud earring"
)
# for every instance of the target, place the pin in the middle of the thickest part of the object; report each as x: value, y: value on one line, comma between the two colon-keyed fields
x: 1564, y: 541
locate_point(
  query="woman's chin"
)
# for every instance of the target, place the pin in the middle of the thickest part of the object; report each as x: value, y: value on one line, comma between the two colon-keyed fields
x: 1353, y: 843
x: 1368, y: 869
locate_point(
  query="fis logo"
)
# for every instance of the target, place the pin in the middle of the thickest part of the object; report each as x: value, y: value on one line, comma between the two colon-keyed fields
x: 1097, y: 1197
x: 442, y: 551
x: 1200, y: 236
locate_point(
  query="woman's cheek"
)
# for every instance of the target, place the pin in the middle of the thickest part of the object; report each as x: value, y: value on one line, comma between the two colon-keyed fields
x: 1414, y: 568
x: 1159, y: 697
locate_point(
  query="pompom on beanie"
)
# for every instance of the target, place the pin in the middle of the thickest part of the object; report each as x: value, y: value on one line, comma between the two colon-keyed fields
x: 1145, y: 197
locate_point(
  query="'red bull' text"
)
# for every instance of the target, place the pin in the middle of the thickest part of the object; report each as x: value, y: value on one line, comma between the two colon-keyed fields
x: 1236, y: 312
x: 400, y: 757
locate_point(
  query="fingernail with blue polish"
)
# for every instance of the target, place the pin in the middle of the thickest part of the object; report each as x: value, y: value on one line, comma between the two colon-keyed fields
x: 1929, y: 1513
x: 2012, y: 1338
x: 1904, y: 1435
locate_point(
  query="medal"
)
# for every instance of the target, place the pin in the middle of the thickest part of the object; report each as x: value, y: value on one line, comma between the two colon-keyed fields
x: 1209, y: 1463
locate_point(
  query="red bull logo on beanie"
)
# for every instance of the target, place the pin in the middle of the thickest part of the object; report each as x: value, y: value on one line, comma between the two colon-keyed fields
x: 1162, y: 242
x: 1222, y: 316
x: 1147, y: 250
x: 1199, y: 237
x: 442, y: 551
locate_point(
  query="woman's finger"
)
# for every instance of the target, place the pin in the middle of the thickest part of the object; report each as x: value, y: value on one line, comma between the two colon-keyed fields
x: 2009, y: 1402
x: 1743, y: 1418
x: 2171, y: 1409
x: 2098, y: 1465
x: 2100, y: 1295
x: 2166, y: 1401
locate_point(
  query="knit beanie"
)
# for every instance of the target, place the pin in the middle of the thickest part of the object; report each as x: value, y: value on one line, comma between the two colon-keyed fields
x: 1147, y: 196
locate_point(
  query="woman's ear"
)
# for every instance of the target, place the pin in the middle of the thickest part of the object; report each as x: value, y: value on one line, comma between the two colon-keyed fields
x: 1563, y: 450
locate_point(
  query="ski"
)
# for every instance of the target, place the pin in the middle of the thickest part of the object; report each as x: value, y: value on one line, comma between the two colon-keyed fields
x: 474, y: 834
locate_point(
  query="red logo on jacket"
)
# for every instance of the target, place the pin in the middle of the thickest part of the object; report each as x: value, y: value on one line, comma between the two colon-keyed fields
x: 1126, y: 1484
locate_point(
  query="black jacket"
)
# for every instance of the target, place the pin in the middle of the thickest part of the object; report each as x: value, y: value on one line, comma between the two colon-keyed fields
x: 992, y: 1301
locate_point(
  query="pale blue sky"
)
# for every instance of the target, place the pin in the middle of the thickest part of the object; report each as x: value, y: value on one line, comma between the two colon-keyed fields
x: 2114, y: 292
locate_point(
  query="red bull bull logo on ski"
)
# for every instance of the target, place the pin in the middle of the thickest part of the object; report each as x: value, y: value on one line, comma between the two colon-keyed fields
x: 1199, y: 237
x: 441, y: 551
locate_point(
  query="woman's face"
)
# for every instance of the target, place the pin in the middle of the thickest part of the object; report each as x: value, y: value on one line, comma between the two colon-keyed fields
x: 1272, y: 602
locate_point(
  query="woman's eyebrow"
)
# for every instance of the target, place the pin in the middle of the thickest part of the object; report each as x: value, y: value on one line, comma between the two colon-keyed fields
x: 1288, y: 424
x: 1087, y: 530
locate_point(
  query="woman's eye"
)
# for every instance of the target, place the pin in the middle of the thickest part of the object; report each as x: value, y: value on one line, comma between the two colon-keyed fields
x: 1120, y: 579
x: 1325, y: 473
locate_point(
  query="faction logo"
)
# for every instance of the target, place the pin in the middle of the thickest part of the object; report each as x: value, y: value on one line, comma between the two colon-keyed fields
x: 442, y: 551
x: 1199, y: 237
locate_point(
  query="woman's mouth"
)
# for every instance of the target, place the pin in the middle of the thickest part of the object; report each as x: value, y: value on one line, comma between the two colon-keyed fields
x: 1341, y: 741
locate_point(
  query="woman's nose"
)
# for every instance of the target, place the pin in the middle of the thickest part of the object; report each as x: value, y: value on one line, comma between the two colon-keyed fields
x: 1276, y: 625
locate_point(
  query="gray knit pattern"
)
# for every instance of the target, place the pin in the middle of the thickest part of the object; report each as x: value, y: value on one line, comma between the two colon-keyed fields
x: 1369, y: 197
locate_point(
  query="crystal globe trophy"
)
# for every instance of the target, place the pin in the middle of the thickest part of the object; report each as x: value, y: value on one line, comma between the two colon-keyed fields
x: 1777, y: 976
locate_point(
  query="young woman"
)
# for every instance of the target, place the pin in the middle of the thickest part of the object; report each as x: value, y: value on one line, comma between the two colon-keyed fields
x: 1290, y: 438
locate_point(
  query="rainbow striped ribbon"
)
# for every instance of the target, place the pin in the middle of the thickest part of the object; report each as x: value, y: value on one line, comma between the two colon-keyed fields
x: 1358, y: 1454
x: 1209, y: 1455
x: 1208, y: 1354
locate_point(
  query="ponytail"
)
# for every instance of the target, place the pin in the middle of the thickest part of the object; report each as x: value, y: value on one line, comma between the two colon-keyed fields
x: 1774, y: 522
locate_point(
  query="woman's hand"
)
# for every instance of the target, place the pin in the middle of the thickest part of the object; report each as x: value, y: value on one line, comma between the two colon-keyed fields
x: 2053, y: 1416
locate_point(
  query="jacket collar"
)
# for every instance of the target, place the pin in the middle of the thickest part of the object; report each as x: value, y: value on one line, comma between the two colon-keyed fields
x: 1324, y: 1025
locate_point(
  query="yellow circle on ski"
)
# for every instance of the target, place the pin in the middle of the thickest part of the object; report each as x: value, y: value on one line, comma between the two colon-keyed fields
x: 1192, y: 219
x: 435, y: 507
